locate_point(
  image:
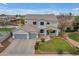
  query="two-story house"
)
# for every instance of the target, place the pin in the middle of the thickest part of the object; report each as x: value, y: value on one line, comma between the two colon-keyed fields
x: 37, y: 25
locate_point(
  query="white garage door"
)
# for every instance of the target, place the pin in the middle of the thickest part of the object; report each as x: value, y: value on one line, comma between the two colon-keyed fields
x: 20, y: 36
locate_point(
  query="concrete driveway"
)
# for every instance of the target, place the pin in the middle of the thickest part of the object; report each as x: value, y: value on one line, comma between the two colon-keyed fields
x: 20, y: 47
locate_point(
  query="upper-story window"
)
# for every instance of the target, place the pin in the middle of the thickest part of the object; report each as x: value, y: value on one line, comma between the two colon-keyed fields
x: 48, y: 23
x: 34, y: 23
x: 41, y: 23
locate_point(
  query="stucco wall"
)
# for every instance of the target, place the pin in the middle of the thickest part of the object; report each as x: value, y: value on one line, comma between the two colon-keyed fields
x: 54, y: 25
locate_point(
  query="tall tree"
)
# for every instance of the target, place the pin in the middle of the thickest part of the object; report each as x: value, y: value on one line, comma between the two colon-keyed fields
x: 76, y: 23
x: 64, y: 22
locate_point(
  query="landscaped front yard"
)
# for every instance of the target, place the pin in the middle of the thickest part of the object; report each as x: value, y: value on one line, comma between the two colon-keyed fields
x: 56, y: 45
x: 74, y: 36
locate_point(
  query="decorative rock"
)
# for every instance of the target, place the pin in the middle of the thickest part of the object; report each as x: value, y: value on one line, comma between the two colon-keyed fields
x: 1, y: 45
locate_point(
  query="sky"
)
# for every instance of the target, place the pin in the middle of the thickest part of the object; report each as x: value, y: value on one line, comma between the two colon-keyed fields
x: 39, y: 8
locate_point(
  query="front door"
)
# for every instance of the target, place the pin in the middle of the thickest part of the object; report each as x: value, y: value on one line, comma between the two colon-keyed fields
x: 47, y: 32
x: 32, y: 35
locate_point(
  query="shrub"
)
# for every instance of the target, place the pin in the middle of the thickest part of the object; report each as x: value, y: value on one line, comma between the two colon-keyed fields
x: 69, y: 30
x: 36, y: 45
x: 76, y: 52
x: 42, y: 39
x: 51, y: 36
x: 60, y: 51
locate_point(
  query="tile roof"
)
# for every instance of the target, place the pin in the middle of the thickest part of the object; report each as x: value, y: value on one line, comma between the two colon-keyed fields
x: 30, y: 28
x: 47, y: 17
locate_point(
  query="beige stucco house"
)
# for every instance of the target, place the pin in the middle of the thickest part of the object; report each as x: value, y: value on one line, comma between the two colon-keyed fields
x: 38, y: 25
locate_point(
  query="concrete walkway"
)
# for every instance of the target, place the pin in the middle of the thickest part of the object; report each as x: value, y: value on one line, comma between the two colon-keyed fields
x: 20, y: 47
x: 72, y: 42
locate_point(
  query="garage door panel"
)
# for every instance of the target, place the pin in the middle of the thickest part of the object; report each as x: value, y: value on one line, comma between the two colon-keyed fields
x: 21, y: 36
x: 32, y: 35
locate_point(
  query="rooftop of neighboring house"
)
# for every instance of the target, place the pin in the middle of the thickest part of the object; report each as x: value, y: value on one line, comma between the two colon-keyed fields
x: 7, y: 17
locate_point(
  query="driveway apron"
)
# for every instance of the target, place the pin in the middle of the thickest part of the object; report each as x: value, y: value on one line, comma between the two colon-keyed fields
x: 20, y: 47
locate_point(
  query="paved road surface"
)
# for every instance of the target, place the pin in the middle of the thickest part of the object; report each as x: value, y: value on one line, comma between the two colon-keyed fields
x: 20, y: 47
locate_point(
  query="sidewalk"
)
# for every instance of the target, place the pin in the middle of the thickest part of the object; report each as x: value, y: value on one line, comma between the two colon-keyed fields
x: 72, y: 42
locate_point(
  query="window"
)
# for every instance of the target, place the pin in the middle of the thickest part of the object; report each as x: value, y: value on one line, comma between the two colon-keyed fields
x: 34, y: 23
x: 53, y: 31
x: 48, y: 23
x: 41, y: 31
x: 41, y: 23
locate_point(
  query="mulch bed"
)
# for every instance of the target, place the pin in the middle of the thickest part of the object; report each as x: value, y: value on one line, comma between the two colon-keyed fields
x: 41, y: 52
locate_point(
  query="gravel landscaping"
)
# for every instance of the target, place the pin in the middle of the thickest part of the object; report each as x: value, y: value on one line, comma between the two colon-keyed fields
x: 5, y: 44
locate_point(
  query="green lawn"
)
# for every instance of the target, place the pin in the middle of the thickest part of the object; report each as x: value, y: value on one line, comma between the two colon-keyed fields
x: 74, y: 36
x: 55, y: 45
x: 6, y: 29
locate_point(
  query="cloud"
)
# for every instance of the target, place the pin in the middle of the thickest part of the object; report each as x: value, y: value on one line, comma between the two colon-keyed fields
x: 4, y: 3
x: 75, y: 9
x: 28, y: 11
x: 54, y: 12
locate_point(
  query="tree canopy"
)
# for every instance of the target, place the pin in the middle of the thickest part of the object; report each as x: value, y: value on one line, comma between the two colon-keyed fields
x: 76, y: 19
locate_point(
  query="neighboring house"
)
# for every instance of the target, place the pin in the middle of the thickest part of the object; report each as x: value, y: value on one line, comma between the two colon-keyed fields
x: 37, y: 25
x: 8, y: 19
